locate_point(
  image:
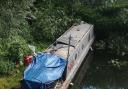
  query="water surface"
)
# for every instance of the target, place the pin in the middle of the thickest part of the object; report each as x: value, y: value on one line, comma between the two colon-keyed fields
x: 102, y: 72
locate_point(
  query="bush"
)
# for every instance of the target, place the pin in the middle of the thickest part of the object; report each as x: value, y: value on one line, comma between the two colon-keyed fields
x: 6, y: 67
x: 17, y: 49
x: 50, y: 24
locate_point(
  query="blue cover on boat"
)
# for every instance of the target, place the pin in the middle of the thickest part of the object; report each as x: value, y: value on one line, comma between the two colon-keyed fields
x: 44, y: 68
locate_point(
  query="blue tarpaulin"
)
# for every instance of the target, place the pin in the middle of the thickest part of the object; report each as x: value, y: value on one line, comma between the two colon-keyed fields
x: 44, y: 68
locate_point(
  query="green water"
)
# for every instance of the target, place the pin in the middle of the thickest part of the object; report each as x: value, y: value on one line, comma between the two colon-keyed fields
x: 102, y: 72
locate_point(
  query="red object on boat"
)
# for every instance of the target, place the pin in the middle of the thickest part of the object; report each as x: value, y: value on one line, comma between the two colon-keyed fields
x: 27, y: 60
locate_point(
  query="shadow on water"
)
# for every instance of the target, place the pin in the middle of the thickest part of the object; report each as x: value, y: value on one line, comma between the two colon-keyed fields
x: 102, y: 72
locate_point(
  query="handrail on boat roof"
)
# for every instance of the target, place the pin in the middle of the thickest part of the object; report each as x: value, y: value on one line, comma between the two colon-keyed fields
x: 60, y: 42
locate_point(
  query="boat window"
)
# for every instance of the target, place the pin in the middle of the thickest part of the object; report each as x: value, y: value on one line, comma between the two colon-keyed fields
x: 82, y: 46
x: 89, y: 37
x: 75, y: 56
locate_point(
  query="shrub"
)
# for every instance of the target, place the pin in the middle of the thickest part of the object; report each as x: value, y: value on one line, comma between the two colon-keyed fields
x: 6, y: 67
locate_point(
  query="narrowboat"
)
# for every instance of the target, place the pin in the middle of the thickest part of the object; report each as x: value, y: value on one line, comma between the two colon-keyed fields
x: 56, y: 67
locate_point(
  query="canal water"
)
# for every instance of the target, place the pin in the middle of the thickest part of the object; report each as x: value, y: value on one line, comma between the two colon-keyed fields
x: 102, y: 70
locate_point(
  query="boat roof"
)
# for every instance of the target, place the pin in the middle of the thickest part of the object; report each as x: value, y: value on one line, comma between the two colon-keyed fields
x: 76, y: 32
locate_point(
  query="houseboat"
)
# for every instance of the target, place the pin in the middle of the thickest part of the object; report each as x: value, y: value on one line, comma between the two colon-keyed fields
x: 56, y: 67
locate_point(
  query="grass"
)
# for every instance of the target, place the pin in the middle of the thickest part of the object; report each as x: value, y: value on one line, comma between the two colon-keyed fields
x: 10, y: 82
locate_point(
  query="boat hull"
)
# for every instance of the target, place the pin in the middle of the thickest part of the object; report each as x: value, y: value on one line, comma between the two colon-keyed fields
x: 75, y: 68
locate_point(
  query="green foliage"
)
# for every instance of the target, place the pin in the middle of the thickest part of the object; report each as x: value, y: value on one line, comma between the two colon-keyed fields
x: 38, y: 21
x: 112, y: 28
x: 6, y: 67
x: 14, y: 32
x: 17, y: 50
x: 12, y: 23
x: 51, y: 23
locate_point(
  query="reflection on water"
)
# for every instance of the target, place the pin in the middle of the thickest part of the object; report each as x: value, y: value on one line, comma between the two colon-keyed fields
x: 102, y: 74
